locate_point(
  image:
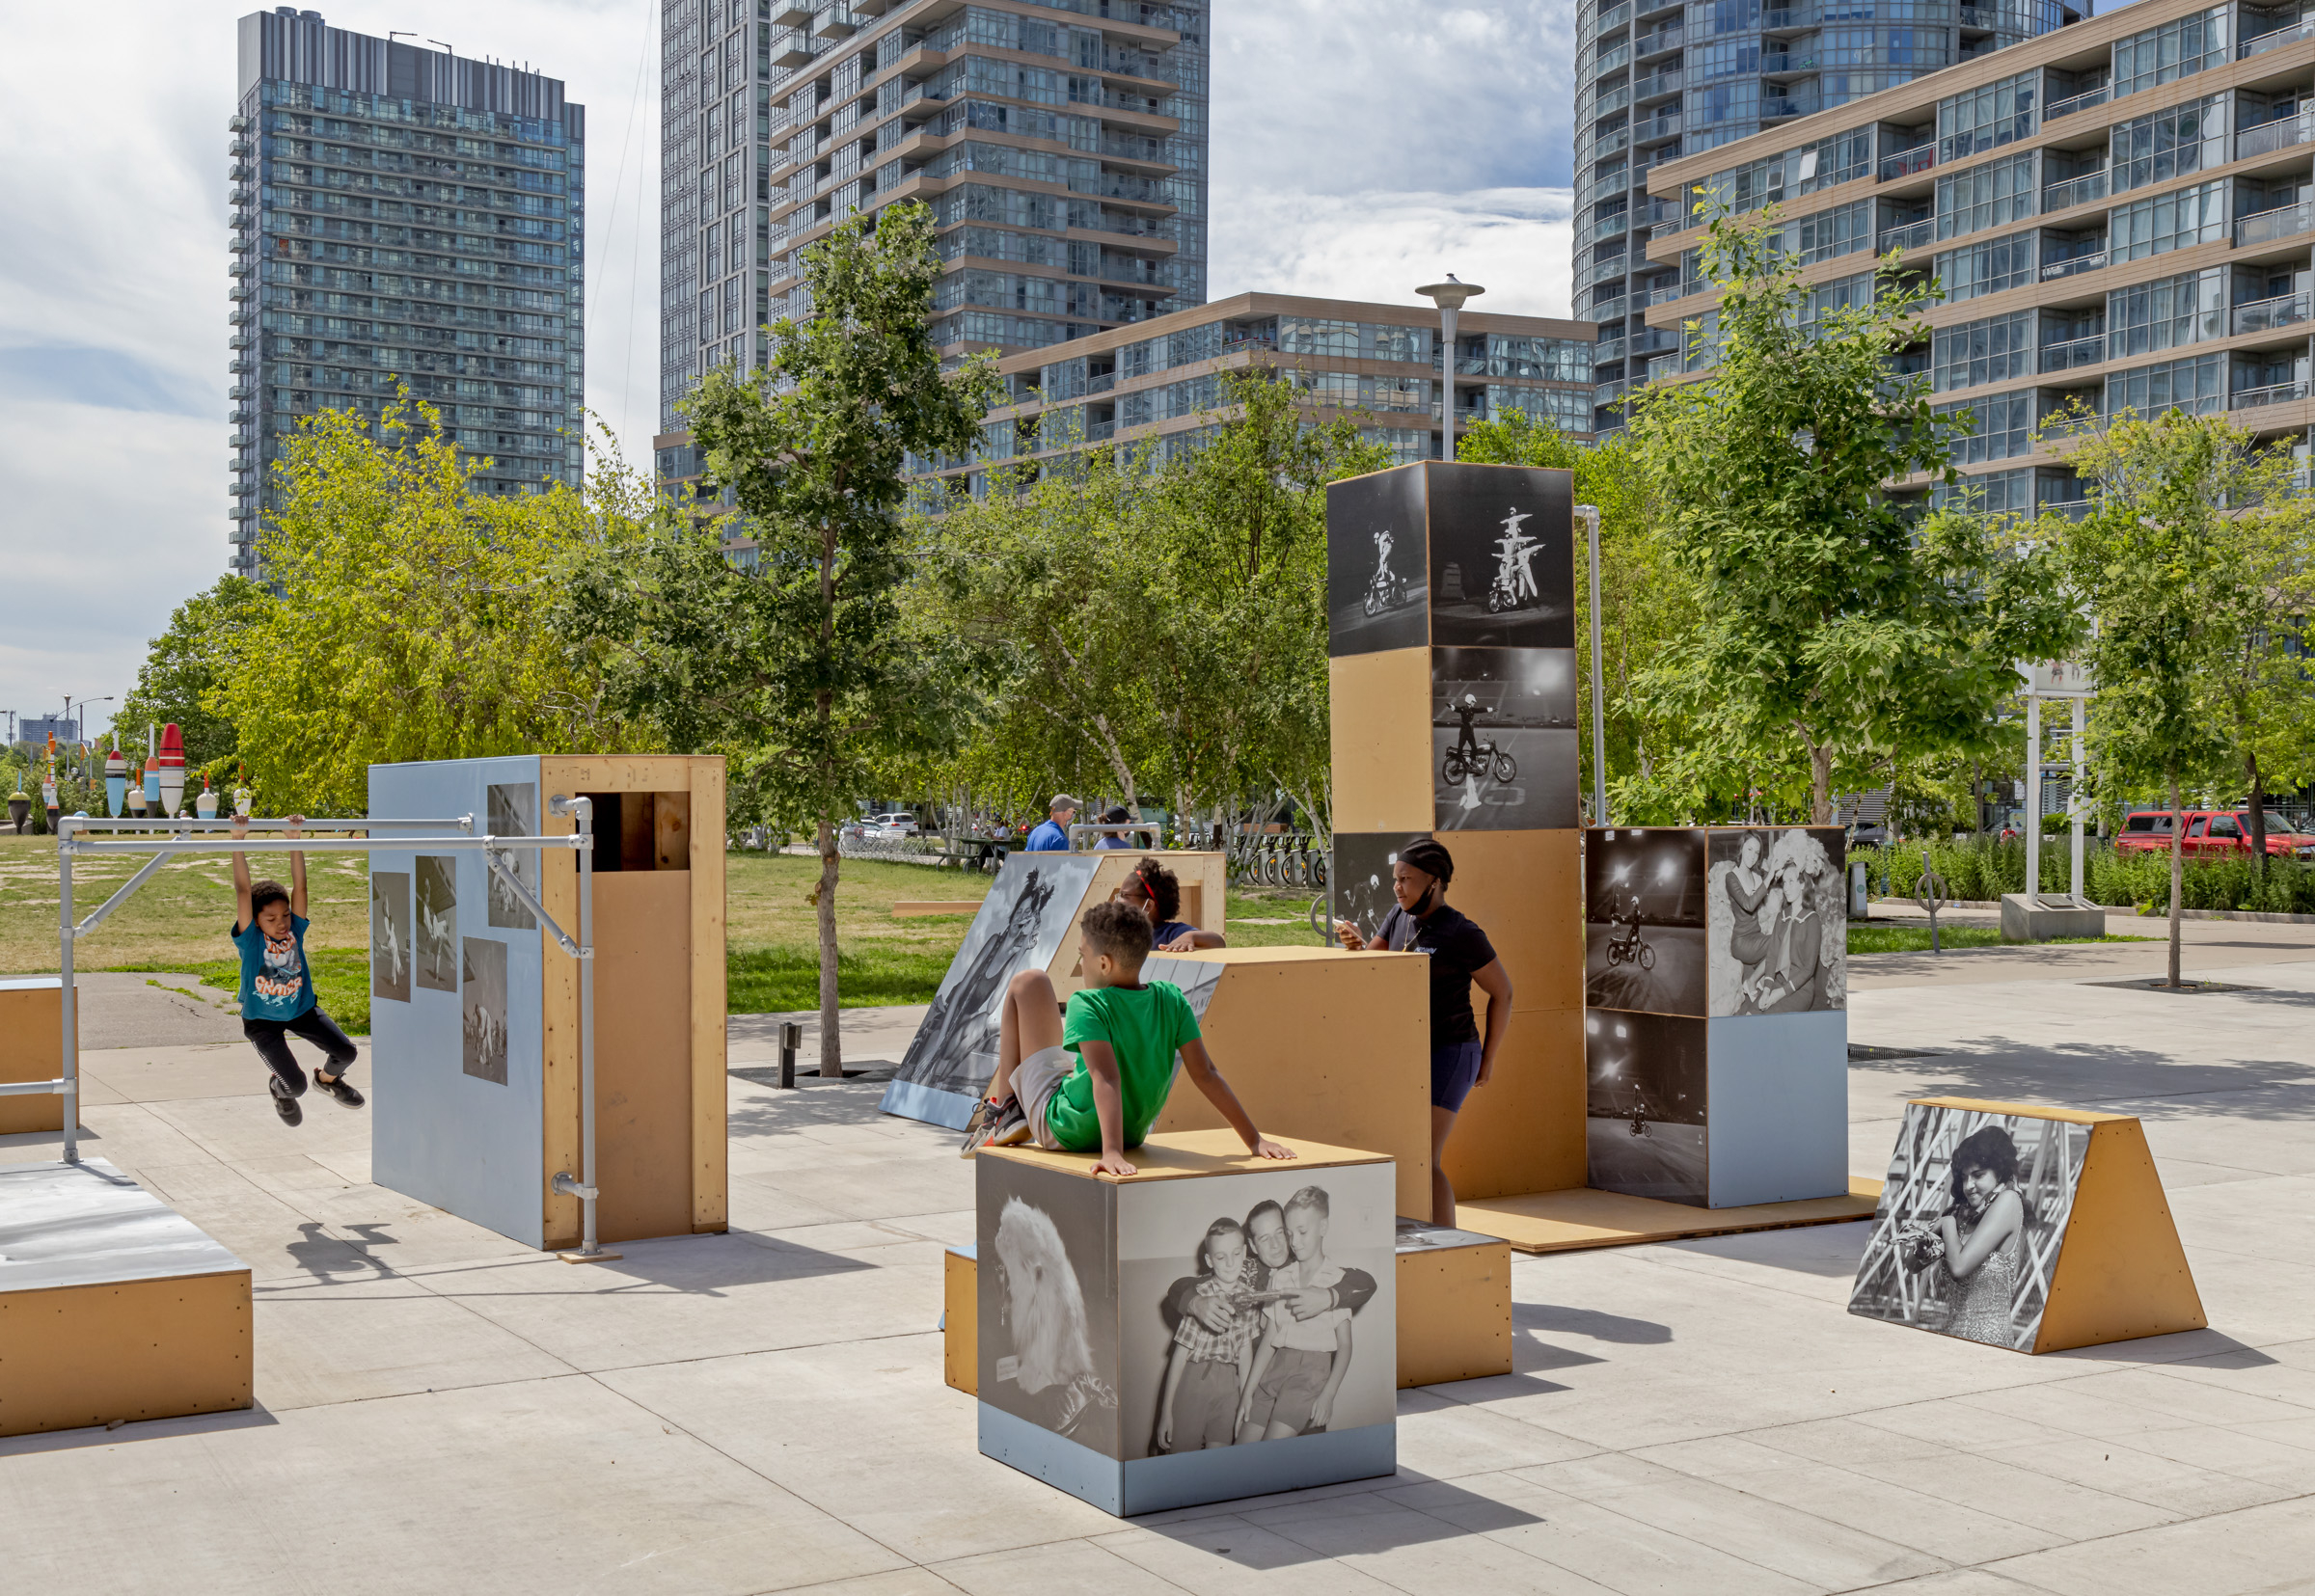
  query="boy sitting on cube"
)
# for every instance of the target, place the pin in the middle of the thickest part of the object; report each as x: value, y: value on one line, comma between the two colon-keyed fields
x: 1095, y: 1080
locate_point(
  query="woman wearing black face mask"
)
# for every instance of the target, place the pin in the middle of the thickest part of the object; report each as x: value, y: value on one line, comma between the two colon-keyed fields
x: 1460, y: 954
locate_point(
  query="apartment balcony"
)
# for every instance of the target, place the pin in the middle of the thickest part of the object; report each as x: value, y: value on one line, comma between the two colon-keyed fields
x: 1657, y: 87
x: 2084, y: 101
x: 236, y: 124
x: 242, y: 195
x: 2287, y: 34
x: 792, y: 48
x: 1788, y: 19
x: 1662, y: 127
x: 1664, y: 296
x: 1906, y: 162
x: 1611, y: 308
x: 2271, y: 393
x: 1609, y: 60
x: 835, y: 22
x: 241, y: 341
x: 241, y: 318
x: 1613, y: 101
x: 2084, y: 253
x: 1606, y: 350
x: 1775, y: 61
x: 1606, y: 395
x: 1777, y: 108
x: 1661, y: 40
x: 1611, y: 143
x: 241, y: 290
x: 1098, y: 432
x: 2073, y: 191
x: 240, y: 391
x: 2266, y: 225
x: 1612, y: 19
x: 2065, y: 356
x: 242, y: 147
x: 1606, y: 227
x: 1913, y: 236
x: 2279, y: 134
x: 791, y: 14
x: 1655, y: 340
x: 2258, y: 315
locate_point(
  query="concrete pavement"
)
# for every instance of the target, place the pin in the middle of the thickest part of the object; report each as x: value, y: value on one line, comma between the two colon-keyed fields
x: 440, y: 1410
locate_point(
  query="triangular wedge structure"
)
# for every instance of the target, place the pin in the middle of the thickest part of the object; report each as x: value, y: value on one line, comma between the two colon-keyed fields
x: 2122, y: 1273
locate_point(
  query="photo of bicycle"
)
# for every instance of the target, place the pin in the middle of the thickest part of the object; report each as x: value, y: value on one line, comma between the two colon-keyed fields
x: 1644, y: 1094
x: 1644, y: 935
x: 1502, y: 551
x: 1377, y: 580
x: 1503, y: 731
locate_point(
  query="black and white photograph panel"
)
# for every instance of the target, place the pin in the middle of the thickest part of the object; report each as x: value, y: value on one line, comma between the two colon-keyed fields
x: 483, y: 1008
x: 1656, y: 970
x: 1777, y: 921
x: 390, y: 951
x: 1358, y: 879
x: 1507, y: 778
x: 1376, y: 591
x: 1047, y: 1300
x: 1645, y: 1083
x: 1478, y: 689
x: 1970, y: 1223
x: 1256, y: 1306
x: 514, y: 812
x: 1655, y: 874
x: 1502, y: 556
x: 1027, y: 917
x: 438, y: 922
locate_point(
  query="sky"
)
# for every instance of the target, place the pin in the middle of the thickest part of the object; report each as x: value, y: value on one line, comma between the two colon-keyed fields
x: 1358, y: 147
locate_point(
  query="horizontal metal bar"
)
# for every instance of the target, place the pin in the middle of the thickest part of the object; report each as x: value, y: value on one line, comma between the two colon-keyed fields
x: 277, y: 822
x: 315, y: 845
x: 32, y: 1089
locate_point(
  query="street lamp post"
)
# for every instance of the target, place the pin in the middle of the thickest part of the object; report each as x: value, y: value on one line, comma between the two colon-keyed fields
x: 1589, y: 514
x: 1450, y: 297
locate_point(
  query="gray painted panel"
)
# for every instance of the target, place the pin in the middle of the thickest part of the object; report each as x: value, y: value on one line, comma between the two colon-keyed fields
x: 1187, y: 1480
x: 66, y: 1225
x: 1779, y: 1090
x: 463, y: 1143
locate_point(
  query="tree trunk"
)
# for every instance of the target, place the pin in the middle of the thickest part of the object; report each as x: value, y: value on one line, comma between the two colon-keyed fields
x: 2178, y: 868
x: 2258, y: 815
x: 832, y: 1045
x: 1820, y: 783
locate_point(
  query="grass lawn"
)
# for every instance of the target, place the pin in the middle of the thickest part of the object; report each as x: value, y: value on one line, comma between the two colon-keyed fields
x: 180, y: 919
x: 1915, y: 938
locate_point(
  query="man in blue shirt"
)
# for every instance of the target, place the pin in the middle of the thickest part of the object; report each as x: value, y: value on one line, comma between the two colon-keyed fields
x: 1052, y: 837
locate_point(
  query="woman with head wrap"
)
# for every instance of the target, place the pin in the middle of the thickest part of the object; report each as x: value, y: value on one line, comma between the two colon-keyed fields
x: 1460, y: 954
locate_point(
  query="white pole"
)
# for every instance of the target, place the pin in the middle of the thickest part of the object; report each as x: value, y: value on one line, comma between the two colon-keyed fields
x: 1599, y: 715
x: 1447, y: 316
x: 2074, y: 796
x: 2033, y: 797
x: 71, y: 1023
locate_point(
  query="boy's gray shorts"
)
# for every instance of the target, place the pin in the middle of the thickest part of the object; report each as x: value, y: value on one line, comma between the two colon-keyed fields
x: 1035, y: 1080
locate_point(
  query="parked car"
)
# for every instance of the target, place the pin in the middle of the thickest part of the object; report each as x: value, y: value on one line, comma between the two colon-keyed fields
x: 898, y: 824
x: 1869, y: 833
x: 2210, y: 834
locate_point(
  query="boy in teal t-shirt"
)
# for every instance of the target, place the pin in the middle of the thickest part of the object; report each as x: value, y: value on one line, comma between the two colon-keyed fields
x: 1095, y: 1081
x: 277, y: 985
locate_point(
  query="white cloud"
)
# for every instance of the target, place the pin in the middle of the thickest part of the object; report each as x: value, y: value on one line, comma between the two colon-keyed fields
x: 1381, y: 246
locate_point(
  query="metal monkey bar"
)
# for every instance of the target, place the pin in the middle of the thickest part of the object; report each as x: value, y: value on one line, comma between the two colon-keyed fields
x: 166, y: 839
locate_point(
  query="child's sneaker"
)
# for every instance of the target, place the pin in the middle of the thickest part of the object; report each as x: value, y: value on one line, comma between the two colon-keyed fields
x: 284, y: 1104
x: 342, y: 1089
x: 995, y: 1125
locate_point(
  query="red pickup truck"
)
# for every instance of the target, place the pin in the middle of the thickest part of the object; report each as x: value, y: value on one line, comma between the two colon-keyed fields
x: 2211, y: 834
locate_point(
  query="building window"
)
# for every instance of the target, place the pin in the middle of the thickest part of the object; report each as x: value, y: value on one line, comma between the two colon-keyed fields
x: 2169, y: 143
x: 1830, y: 233
x: 1988, y: 269
x: 2173, y: 51
x: 2167, y: 221
x: 1986, y: 119
x: 2004, y: 427
x: 1993, y: 493
x: 1568, y: 409
x: 1991, y: 195
x: 1845, y: 293
x: 2171, y: 311
x: 1993, y: 350
x: 2197, y: 383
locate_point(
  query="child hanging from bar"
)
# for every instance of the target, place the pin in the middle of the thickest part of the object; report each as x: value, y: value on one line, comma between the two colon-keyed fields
x: 277, y: 987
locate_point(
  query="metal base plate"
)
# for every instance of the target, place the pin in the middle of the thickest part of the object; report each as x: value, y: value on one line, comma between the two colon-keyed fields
x: 589, y: 1258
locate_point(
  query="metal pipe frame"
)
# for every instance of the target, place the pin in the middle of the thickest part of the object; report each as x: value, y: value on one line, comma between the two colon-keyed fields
x: 181, y: 837
x: 1600, y: 685
x: 188, y: 823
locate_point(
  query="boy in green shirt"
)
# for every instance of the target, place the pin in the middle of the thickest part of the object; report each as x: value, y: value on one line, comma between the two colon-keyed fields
x: 1093, y: 1082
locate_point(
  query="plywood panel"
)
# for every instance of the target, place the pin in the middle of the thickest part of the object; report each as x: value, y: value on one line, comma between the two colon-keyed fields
x: 711, y: 1191
x: 1579, y: 1219
x: 672, y: 830
x: 32, y: 1049
x: 960, y: 1319
x: 2121, y: 1272
x: 1523, y: 1131
x: 162, y: 1348
x: 558, y: 1102
x: 617, y: 772
x: 1328, y: 1047
x: 1379, y: 715
x: 642, y: 1054
x: 1526, y: 890
x: 1454, y: 1313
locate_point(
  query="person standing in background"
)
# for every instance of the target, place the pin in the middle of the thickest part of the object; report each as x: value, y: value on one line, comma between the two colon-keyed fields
x: 1052, y: 837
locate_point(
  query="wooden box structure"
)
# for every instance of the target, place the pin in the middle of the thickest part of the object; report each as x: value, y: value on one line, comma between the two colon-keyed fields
x: 2092, y: 1255
x: 1079, y: 1320
x: 1451, y: 642
x: 1716, y: 1037
x: 474, y: 1014
x: 1028, y: 921
x: 32, y: 1050
x: 111, y: 1305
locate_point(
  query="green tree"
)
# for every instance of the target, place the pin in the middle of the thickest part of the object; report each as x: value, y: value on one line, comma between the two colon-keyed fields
x: 1835, y: 632
x: 407, y: 626
x: 2172, y: 579
x: 184, y: 676
x: 803, y: 668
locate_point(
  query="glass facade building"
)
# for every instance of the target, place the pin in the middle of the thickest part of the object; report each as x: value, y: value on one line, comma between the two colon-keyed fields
x: 402, y: 217
x: 1660, y: 79
x: 1061, y: 145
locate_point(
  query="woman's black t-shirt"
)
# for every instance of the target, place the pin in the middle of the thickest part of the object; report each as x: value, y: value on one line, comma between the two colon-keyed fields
x: 1458, y: 951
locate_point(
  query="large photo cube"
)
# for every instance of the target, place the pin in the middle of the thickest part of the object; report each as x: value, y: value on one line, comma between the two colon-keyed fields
x: 1212, y: 1327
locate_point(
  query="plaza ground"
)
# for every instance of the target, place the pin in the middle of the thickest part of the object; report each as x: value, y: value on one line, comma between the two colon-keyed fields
x: 440, y: 1410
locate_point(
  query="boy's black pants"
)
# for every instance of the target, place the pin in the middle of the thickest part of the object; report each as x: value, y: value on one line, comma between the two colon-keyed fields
x: 271, y: 1039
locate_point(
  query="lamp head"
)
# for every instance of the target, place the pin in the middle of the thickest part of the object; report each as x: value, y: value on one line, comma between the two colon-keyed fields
x: 1451, y: 295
